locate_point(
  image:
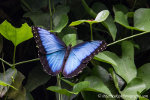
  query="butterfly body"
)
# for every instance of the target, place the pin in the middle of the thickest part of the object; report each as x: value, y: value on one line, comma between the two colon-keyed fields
x: 56, y: 57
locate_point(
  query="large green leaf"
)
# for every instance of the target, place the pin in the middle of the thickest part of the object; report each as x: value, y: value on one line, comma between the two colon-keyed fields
x: 6, y: 80
x: 124, y: 65
x: 103, y: 74
x: 132, y: 89
x: 36, y: 78
x: 97, y: 85
x: 16, y: 35
x: 144, y: 73
x: 142, y: 19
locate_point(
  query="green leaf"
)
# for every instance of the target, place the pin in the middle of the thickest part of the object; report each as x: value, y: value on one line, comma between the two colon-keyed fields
x: 75, y: 23
x: 6, y: 80
x: 97, y: 85
x: 124, y: 66
x: 39, y: 18
x: 142, y: 19
x: 5, y: 84
x: 132, y: 88
x: 70, y: 39
x: 102, y: 16
x: 60, y: 18
x: 120, y: 7
x: 103, y: 74
x: 16, y: 35
x: 68, y: 82
x: 142, y: 98
x: 61, y: 21
x: 81, y: 86
x: 144, y: 73
x: 68, y: 35
x: 29, y: 96
x: 109, y: 22
x: 88, y: 95
x: 110, y: 26
x: 115, y: 79
x: 60, y: 90
x: 122, y: 19
x: 14, y: 94
x: 36, y: 78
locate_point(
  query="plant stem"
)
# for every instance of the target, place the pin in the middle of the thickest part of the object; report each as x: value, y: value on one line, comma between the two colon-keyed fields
x: 91, y: 31
x: 134, y: 5
x: 59, y: 84
x: 50, y: 11
x: 22, y: 62
x: 26, y: 5
x: 126, y: 38
x: 14, y: 57
x: 6, y: 62
x: 89, y: 10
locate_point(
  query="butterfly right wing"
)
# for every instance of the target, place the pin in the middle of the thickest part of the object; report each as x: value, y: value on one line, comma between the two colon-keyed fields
x: 51, y: 50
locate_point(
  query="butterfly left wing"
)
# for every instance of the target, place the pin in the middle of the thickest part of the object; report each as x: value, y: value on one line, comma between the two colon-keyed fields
x: 80, y: 55
x: 53, y: 63
x: 51, y: 50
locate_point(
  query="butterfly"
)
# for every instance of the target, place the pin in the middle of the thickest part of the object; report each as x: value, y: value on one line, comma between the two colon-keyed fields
x: 56, y: 57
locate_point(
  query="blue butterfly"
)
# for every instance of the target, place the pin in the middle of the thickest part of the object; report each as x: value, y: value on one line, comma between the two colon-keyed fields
x: 56, y: 57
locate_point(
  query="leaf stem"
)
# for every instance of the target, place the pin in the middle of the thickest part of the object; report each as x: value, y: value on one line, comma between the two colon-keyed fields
x: 91, y: 31
x: 126, y: 38
x: 59, y: 84
x: 89, y: 10
x: 14, y: 57
x: 6, y: 62
x: 22, y: 62
x: 50, y: 11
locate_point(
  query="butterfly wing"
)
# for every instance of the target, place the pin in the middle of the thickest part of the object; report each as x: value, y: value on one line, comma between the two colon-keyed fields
x: 80, y: 55
x: 46, y: 41
x: 51, y: 50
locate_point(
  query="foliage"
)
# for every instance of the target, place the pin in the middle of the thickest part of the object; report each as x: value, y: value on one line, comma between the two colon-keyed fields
x: 120, y: 72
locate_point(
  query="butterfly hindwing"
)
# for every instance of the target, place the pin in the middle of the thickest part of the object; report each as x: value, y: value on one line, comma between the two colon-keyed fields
x: 80, y: 55
x: 51, y: 50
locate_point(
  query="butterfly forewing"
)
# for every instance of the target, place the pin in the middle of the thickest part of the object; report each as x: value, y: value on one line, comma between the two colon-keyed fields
x: 47, y: 41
